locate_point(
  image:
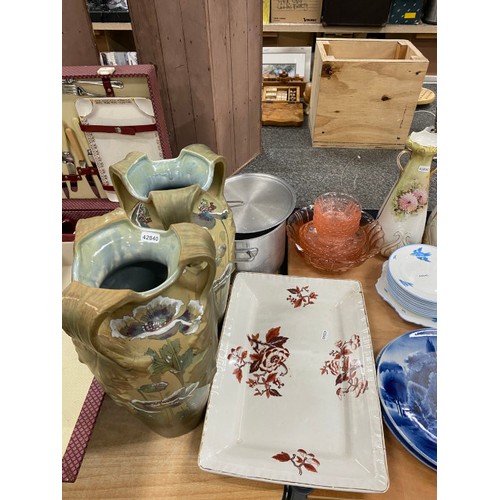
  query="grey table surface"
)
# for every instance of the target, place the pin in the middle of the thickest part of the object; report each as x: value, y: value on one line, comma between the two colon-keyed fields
x: 368, y: 174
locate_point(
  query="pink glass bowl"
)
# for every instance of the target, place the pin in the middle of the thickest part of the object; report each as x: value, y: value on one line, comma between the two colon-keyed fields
x: 336, y: 214
x: 328, y: 258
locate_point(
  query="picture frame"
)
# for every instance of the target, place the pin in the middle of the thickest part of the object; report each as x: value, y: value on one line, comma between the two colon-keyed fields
x: 295, y: 60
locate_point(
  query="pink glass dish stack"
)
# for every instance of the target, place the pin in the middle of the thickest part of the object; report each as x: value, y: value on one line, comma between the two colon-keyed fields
x: 352, y: 237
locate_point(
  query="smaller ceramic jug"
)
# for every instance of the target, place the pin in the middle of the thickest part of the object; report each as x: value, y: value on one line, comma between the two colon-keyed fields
x: 189, y: 188
x: 404, y: 212
x: 141, y: 315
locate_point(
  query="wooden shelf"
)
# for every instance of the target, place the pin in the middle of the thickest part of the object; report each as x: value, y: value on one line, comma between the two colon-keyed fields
x: 112, y: 26
x: 319, y: 28
x: 307, y: 28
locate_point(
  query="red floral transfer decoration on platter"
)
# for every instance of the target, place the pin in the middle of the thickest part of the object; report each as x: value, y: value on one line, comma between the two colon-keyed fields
x: 267, y: 362
x: 345, y: 369
x: 299, y: 460
x: 302, y: 296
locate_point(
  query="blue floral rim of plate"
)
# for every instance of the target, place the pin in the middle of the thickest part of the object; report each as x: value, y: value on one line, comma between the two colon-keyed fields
x: 407, y: 380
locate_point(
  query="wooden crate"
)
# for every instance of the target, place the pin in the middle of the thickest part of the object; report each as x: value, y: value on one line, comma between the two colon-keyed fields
x: 364, y: 92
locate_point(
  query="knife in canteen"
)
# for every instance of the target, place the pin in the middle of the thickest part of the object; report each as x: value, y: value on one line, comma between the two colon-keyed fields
x: 69, y: 163
x: 77, y: 149
x: 87, y: 153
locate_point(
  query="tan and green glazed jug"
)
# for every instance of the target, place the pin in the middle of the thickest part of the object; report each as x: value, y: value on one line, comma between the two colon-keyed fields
x: 140, y: 311
x: 404, y: 212
x: 189, y: 188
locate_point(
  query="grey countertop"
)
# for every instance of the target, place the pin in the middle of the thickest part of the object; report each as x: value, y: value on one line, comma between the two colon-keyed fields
x: 368, y: 174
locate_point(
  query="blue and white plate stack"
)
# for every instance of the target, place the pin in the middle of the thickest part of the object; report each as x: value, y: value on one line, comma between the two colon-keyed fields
x: 409, y: 283
x: 407, y: 383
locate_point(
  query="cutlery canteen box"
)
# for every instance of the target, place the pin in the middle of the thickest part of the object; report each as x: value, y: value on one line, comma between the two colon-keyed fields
x: 364, y: 92
x: 108, y: 112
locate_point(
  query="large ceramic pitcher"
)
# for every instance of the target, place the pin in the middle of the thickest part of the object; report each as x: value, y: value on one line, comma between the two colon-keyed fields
x: 141, y: 315
x: 189, y: 188
x: 404, y: 212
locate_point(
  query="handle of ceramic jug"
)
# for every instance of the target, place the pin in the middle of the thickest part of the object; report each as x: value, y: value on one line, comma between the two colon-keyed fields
x: 91, y: 224
x: 197, y: 246
x: 118, y: 175
x: 174, y: 206
x: 85, y: 308
x: 398, y: 159
x: 216, y: 188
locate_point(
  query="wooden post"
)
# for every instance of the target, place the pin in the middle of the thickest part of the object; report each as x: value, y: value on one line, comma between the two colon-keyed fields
x: 208, y: 59
x: 78, y: 42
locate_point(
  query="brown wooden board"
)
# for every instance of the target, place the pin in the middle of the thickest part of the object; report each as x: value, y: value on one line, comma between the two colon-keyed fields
x: 78, y: 43
x: 282, y: 114
x: 208, y: 58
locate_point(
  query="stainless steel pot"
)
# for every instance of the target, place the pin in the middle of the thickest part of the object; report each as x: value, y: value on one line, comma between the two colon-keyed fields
x: 262, y: 254
x: 261, y: 204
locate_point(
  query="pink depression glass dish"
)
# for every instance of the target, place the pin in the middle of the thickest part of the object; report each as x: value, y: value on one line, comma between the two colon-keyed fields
x: 326, y: 257
x: 336, y: 214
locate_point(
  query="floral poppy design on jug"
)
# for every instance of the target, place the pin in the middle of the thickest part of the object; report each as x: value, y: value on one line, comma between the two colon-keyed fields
x: 267, y: 362
x: 159, y: 319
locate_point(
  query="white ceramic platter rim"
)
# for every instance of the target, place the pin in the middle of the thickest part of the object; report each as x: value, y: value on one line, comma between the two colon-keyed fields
x: 415, y: 264
x: 253, y: 434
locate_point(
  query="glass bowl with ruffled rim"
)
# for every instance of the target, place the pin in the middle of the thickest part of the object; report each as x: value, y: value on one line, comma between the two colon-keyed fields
x: 325, y: 258
x: 337, y: 215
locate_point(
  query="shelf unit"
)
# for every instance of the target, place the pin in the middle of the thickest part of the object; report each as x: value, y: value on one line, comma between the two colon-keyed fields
x: 308, y: 28
x: 424, y: 36
x: 319, y: 28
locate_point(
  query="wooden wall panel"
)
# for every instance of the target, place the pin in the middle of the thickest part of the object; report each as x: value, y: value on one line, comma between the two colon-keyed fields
x: 220, y: 42
x: 208, y: 57
x: 78, y: 42
x: 254, y: 52
x: 239, y: 77
x: 196, y: 26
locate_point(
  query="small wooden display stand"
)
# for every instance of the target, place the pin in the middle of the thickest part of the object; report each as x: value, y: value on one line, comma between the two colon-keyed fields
x: 281, y: 106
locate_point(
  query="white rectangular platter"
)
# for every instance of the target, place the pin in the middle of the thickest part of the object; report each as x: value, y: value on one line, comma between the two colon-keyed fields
x: 294, y: 399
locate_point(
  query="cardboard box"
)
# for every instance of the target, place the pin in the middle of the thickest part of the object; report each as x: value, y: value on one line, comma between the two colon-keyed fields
x: 296, y: 11
x: 364, y: 92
